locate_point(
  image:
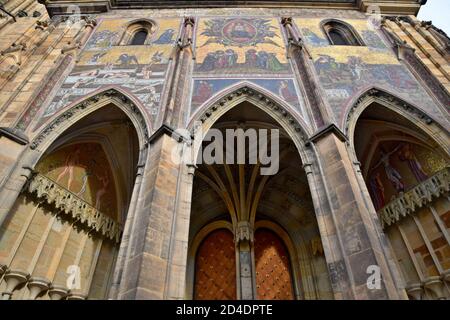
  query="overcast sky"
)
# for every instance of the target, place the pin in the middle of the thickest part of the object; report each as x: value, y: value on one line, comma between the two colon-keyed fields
x: 437, y: 11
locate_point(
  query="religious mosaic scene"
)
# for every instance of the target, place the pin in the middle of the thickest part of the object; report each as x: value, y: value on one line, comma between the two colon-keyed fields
x: 223, y: 150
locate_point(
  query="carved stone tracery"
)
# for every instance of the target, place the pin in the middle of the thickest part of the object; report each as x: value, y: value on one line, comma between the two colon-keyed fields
x: 418, y: 197
x: 77, y: 209
x: 126, y: 103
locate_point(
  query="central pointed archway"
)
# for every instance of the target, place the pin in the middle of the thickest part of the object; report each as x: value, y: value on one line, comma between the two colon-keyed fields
x: 276, y: 240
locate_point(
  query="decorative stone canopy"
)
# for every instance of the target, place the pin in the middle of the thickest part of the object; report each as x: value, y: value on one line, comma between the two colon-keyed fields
x: 71, y: 205
x: 417, y: 197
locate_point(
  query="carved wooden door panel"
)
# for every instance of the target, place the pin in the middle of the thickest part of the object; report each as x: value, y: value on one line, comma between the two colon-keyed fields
x: 273, y: 270
x: 215, y: 267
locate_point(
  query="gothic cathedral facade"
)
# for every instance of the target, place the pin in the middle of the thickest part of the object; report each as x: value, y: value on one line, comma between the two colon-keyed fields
x: 97, y: 98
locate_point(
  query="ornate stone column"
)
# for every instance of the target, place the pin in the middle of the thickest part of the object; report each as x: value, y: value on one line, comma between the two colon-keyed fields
x: 124, y: 244
x: 303, y: 61
x: 244, y: 237
x: 177, y: 268
x: 178, y: 76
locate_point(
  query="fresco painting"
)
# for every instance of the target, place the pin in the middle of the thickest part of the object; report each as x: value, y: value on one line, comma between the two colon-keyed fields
x: 240, y: 45
x: 347, y: 71
x: 399, y: 166
x: 203, y: 89
x: 88, y: 177
x: 138, y: 70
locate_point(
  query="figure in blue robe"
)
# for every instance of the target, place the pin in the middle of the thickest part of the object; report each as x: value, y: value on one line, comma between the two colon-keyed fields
x: 166, y: 37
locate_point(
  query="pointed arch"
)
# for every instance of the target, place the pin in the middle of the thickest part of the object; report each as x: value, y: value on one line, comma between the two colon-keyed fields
x: 135, y: 26
x: 83, y: 108
x: 432, y: 128
x: 290, y: 120
x: 339, y: 32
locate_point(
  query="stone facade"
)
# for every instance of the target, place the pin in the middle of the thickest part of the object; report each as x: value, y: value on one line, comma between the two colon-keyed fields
x: 93, y: 204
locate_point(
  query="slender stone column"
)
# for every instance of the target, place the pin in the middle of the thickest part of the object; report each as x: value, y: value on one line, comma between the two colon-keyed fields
x: 303, y: 61
x: 179, y: 76
x: 243, y: 237
x: 124, y: 244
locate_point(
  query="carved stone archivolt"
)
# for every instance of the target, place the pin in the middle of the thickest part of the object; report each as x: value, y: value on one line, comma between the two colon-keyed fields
x: 421, y: 195
x: 389, y: 99
x: 77, y: 209
x: 125, y: 103
x: 247, y: 91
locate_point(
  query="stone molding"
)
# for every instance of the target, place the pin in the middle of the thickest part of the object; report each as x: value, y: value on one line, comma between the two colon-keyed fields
x: 418, y: 197
x: 14, y: 134
x: 128, y: 106
x: 247, y: 91
x: 387, y: 98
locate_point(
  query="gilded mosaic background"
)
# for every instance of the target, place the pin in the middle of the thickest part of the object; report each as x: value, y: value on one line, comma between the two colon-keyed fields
x: 397, y: 167
x: 345, y: 72
x: 138, y: 70
x: 233, y: 49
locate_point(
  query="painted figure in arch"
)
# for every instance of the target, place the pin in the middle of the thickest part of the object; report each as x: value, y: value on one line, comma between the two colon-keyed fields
x: 104, y: 179
x: 285, y: 92
x: 204, y: 92
x: 85, y: 180
x: 392, y: 174
x: 71, y: 163
x: 407, y: 154
x: 377, y: 191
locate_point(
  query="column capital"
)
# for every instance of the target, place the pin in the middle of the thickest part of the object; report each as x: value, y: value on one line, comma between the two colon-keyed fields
x: 37, y: 285
x: 243, y: 232
x: 58, y: 292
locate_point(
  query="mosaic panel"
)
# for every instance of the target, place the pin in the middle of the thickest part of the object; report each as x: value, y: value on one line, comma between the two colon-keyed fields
x: 138, y: 70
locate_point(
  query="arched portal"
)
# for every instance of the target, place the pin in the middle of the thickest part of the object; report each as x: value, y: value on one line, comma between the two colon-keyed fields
x: 406, y: 172
x: 257, y: 206
x: 61, y: 238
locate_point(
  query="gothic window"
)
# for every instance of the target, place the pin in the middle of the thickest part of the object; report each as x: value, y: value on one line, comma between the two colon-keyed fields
x: 341, y: 34
x: 138, y: 33
x: 139, y: 38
